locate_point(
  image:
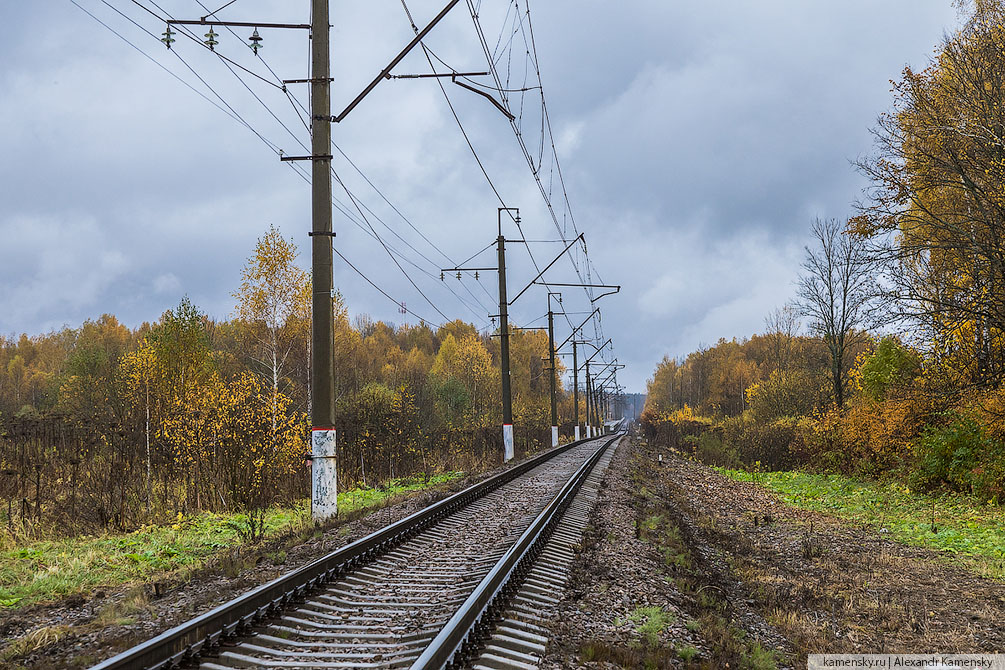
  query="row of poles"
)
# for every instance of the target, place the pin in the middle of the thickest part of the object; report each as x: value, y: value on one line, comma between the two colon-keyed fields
x: 322, y: 391
x: 593, y: 416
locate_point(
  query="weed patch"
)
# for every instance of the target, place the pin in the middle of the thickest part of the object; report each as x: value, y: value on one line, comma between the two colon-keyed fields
x: 36, y: 639
x: 650, y: 622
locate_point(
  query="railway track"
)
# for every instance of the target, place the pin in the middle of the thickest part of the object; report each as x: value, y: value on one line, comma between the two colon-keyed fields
x: 424, y: 592
x: 519, y: 637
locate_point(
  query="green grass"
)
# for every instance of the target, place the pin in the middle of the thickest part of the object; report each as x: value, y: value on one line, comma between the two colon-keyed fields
x: 38, y: 571
x: 650, y: 623
x: 368, y: 497
x: 969, y: 529
x: 687, y: 653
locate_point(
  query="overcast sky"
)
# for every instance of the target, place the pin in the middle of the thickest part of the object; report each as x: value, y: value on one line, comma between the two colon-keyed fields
x: 698, y: 141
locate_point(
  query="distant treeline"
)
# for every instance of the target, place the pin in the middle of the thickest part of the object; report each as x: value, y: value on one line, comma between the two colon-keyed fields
x: 105, y: 425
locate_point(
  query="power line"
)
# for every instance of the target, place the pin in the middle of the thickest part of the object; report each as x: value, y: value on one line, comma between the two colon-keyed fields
x: 429, y: 55
x: 396, y: 210
x: 390, y: 255
x: 400, y: 304
x: 184, y: 30
x: 531, y: 51
x: 151, y: 58
x: 357, y: 201
x: 298, y: 169
x: 228, y: 109
x: 460, y: 125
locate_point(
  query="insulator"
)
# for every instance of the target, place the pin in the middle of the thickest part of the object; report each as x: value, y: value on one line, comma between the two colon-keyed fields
x: 476, y: 275
x: 210, y: 40
x: 168, y: 36
x: 458, y: 275
x: 442, y: 276
x: 256, y: 41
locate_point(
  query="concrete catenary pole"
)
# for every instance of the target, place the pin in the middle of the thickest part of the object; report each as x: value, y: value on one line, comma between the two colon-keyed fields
x: 551, y: 374
x: 575, y: 386
x: 507, y: 400
x: 323, y: 463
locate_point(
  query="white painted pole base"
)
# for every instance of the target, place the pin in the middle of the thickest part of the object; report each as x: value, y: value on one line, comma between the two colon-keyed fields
x: 589, y: 431
x: 324, y: 482
x: 554, y: 436
x: 577, y: 433
x: 507, y: 442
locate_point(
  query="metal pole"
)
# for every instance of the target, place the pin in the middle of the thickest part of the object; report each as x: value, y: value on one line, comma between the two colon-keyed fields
x: 507, y: 401
x: 575, y: 387
x: 323, y: 463
x: 589, y: 430
x: 551, y: 353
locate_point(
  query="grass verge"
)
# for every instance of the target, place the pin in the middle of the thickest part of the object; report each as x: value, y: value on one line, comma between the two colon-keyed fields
x: 45, y: 570
x: 970, y: 531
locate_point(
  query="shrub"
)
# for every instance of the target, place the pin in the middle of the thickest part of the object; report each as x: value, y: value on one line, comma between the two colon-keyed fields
x: 676, y: 430
x: 880, y: 436
x: 961, y: 456
x: 712, y: 450
x: 820, y: 445
x: 770, y: 443
x: 891, y: 366
x: 784, y: 393
x: 866, y: 438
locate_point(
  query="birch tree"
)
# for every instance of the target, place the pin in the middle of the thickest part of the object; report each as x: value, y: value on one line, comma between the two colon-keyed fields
x: 274, y: 302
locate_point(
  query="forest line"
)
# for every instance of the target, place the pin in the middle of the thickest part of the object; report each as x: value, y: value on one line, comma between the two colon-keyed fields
x: 108, y: 426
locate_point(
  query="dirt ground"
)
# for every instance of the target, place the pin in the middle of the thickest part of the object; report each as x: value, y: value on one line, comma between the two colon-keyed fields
x: 747, y: 581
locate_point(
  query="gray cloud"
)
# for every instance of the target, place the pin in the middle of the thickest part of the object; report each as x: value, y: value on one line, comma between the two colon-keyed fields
x: 698, y: 141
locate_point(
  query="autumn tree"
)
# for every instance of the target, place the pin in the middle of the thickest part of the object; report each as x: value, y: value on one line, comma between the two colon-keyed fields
x: 32, y: 370
x: 274, y: 302
x: 348, y: 351
x: 263, y: 443
x: 89, y: 373
x: 835, y: 293
x: 891, y: 366
x: 936, y: 212
x: 140, y: 376
x: 466, y: 380
x: 782, y: 325
x: 190, y: 388
x: 529, y: 383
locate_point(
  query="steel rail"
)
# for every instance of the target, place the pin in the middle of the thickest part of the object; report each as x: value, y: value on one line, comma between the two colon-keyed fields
x: 185, y: 642
x: 460, y: 636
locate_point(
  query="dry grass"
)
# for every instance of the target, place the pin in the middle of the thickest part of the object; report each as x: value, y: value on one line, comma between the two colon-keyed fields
x: 124, y: 611
x: 33, y: 641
